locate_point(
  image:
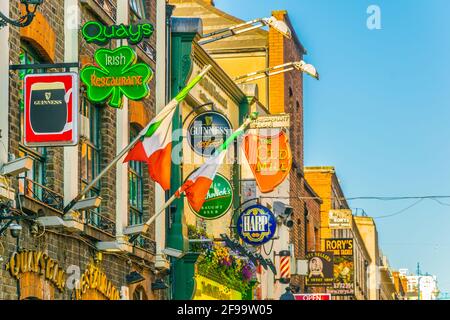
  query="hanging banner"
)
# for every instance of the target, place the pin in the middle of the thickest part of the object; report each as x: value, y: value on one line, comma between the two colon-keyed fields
x: 218, y: 200
x: 270, y: 159
x: 116, y: 75
x: 207, y: 132
x: 320, y: 269
x: 256, y: 225
x: 51, y: 109
x: 343, y: 284
x: 99, y: 34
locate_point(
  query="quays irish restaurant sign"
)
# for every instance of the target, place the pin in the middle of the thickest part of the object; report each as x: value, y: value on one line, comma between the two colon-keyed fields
x: 218, y: 200
x: 256, y: 225
x: 116, y: 75
x: 99, y: 34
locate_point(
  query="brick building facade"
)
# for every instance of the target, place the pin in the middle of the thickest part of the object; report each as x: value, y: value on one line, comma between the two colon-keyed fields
x: 41, y: 192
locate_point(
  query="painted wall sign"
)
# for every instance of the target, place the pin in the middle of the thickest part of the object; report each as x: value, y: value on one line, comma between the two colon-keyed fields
x: 218, y: 200
x: 116, y: 75
x: 51, y: 109
x: 95, y: 279
x: 256, y: 225
x: 207, y: 289
x: 343, y: 284
x: 270, y: 122
x: 340, y: 219
x: 37, y: 262
x: 97, y: 33
x: 270, y: 159
x: 320, y: 269
x: 207, y: 132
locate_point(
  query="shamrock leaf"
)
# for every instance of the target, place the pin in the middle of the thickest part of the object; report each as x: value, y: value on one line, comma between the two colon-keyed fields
x: 117, y: 75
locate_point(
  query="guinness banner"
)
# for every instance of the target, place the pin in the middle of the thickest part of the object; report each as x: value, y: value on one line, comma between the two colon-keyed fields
x: 51, y: 110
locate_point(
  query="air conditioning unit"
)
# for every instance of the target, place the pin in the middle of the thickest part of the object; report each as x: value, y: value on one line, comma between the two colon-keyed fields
x: 85, y: 129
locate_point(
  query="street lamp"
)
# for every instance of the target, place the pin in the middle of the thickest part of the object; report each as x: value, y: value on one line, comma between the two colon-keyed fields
x: 297, y: 65
x: 24, y: 20
x: 272, y: 22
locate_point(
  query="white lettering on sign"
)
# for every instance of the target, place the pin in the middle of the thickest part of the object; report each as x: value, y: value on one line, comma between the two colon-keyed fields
x: 115, y: 60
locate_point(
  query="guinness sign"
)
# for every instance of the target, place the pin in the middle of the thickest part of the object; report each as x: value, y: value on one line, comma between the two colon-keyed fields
x: 51, y: 110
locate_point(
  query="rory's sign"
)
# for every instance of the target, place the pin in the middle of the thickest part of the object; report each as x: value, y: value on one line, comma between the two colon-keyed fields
x: 116, y: 75
x: 257, y: 225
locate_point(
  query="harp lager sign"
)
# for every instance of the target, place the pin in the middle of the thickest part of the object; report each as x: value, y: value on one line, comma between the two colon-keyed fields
x: 257, y: 225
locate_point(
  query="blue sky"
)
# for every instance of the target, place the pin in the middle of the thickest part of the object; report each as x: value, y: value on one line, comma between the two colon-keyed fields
x: 380, y: 113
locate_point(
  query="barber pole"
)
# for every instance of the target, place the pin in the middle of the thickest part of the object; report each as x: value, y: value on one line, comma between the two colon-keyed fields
x: 285, y: 269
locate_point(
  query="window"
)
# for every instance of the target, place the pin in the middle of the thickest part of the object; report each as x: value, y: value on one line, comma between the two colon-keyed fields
x: 137, y: 9
x: 90, y: 156
x: 136, y: 187
x: 36, y: 176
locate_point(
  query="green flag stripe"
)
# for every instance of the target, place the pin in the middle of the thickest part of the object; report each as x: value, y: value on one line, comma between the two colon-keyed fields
x: 183, y: 94
x: 152, y: 129
x: 230, y: 140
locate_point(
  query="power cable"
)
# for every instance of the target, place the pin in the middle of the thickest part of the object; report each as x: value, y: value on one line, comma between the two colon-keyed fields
x: 401, y: 211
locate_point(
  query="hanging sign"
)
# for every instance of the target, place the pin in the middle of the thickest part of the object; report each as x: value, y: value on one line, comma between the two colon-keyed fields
x: 218, y: 200
x: 256, y: 225
x: 51, y: 109
x: 116, y: 75
x: 344, y: 270
x: 270, y: 159
x: 340, y: 219
x: 99, y: 34
x: 271, y: 122
x: 320, y: 269
x: 207, y: 132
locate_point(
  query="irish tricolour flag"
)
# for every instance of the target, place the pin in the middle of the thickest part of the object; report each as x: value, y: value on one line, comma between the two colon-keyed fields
x: 155, y: 145
x: 198, y: 184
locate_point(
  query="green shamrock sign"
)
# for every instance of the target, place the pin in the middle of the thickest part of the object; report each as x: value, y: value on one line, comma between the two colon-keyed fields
x: 116, y: 75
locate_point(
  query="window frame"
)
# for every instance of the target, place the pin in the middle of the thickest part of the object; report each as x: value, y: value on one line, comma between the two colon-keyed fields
x: 135, y: 180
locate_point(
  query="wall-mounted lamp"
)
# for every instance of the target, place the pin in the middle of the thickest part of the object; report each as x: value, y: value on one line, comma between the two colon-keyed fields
x: 24, y: 20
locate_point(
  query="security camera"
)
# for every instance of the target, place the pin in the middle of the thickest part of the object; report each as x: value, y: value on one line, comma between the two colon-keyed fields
x: 284, y: 214
x: 15, y: 229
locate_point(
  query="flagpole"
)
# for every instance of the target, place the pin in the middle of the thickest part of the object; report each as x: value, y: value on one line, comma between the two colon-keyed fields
x: 179, y: 193
x: 180, y: 97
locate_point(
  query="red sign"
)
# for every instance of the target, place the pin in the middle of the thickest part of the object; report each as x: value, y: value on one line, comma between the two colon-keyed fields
x: 313, y: 296
x: 51, y: 110
x: 270, y: 159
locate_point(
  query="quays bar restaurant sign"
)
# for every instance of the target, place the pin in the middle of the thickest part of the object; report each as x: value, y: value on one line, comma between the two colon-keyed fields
x: 37, y: 262
x: 116, y: 75
x: 270, y: 159
x: 99, y: 34
x: 95, y: 279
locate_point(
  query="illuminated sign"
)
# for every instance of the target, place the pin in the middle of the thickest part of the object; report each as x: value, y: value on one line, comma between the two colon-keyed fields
x: 51, y: 109
x: 270, y: 159
x: 117, y: 75
x: 256, y: 225
x: 320, y: 269
x: 207, y: 289
x: 313, y: 296
x: 97, y: 33
x: 207, y: 132
x: 218, y: 200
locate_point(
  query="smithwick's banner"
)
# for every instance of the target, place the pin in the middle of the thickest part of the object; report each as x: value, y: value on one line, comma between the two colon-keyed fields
x: 218, y: 200
x: 320, y: 269
x: 270, y: 159
x: 256, y: 225
x: 51, y: 109
x: 343, y: 284
x: 116, y: 75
